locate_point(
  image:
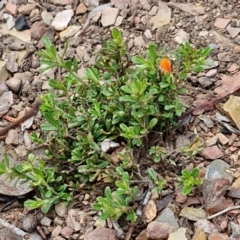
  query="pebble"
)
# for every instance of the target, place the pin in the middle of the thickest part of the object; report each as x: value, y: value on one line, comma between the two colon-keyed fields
x: 218, y: 169
x: 21, y: 23
x: 101, y: 233
x: 138, y: 41
x: 3, y: 71
x: 45, y: 221
x: 167, y: 216
x: 159, y: 230
x: 47, y: 18
x: 193, y: 214
x: 14, y: 84
x: 11, y: 8
x: 181, y: 36
x: 11, y: 64
x: 81, y: 8
x: 221, y: 22
x: 205, y: 81
x: 29, y: 223
x: 6, y: 101
x: 37, y: 30
x: 26, y: 9
x: 61, y: 2
x: 211, y: 73
x: 67, y: 232
x: 109, y: 16
x: 150, y: 211
x: 212, y: 153
x: 61, y: 20
x: 206, y: 225
x: 61, y: 209
x: 180, y: 234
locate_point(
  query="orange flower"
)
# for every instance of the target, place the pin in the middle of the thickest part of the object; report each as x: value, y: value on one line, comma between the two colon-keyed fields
x: 165, y: 65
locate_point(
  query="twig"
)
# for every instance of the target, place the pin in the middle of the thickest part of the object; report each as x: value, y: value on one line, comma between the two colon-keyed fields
x: 130, y: 232
x: 223, y: 211
x: 14, y: 229
x: 119, y: 231
x: 30, y: 113
x: 40, y: 231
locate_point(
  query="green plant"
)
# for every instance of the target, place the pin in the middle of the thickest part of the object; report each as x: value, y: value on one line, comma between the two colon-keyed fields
x: 119, y: 202
x: 195, y: 147
x: 51, y: 187
x: 157, y: 153
x: 188, y: 180
x: 121, y: 97
x: 158, y: 184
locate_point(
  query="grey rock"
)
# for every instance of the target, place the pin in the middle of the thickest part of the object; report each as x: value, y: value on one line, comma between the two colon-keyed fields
x: 167, y: 216
x: 217, y: 169
x: 29, y: 223
x: 101, y: 233
x: 14, y: 84
x: 205, y: 82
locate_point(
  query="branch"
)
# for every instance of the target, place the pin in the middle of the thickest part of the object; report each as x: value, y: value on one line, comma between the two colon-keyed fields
x: 14, y: 229
x: 223, y: 211
x: 30, y: 113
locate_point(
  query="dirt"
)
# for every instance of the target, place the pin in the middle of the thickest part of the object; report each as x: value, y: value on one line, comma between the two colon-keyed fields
x: 136, y: 20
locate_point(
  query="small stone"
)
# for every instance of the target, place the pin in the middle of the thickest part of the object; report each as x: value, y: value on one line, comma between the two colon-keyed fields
x: 69, y: 32
x: 21, y: 151
x: 142, y: 235
x: 47, y: 18
x: 26, y: 8
x: 217, y: 169
x: 206, y: 225
x: 235, y: 189
x: 138, y: 41
x: 211, y: 73
x: 101, y: 233
x: 181, y: 36
x: 45, y: 221
x: 221, y: 22
x: 37, y: 30
x: 153, y: 10
x: 11, y: 8
x: 159, y: 230
x: 56, y: 231
x: 61, y: 209
x: 3, y: 88
x: 21, y: 23
x: 81, y: 8
x: 148, y: 34
x: 109, y: 16
x: 233, y: 32
x: 234, y: 67
x: 61, y: 2
x: 199, y: 235
x: 203, y: 33
x: 100, y: 223
x: 45, y: 85
x: 3, y: 72
x: 218, y: 236
x: 150, y: 211
x: 162, y: 18
x: 222, y: 139
x: 14, y: 84
x: 167, y: 216
x: 180, y: 234
x: 29, y: 223
x: 193, y: 214
x: 231, y: 139
x: 61, y: 20
x: 212, y: 153
x: 118, y: 21
x: 205, y: 81
x: 212, y: 141
x: 67, y: 232
x: 11, y: 64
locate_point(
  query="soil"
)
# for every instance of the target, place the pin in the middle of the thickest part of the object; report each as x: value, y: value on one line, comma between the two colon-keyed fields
x: 202, y: 31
